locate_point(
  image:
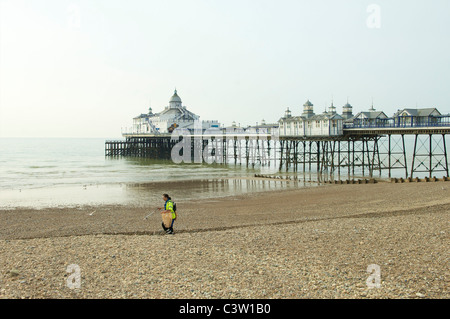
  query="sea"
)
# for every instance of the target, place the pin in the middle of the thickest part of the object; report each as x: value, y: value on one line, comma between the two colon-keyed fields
x: 70, y: 172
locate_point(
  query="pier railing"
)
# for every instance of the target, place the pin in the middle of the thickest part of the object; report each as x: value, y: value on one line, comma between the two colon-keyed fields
x: 401, y: 122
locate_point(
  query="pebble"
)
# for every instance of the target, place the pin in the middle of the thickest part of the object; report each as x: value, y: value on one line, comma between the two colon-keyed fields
x: 14, y: 272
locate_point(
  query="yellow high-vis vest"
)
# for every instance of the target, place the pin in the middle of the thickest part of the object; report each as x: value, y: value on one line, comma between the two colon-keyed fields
x: 169, y: 206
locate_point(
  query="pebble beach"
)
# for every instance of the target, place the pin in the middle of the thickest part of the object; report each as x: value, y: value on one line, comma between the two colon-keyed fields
x: 315, y: 242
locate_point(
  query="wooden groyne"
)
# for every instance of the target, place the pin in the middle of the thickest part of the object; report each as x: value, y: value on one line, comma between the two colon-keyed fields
x: 420, y: 180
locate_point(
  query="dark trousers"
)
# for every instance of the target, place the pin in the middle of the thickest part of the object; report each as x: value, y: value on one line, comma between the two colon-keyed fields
x: 170, y: 229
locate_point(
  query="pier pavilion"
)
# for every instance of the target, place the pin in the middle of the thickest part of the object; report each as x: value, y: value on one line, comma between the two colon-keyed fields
x: 174, y: 115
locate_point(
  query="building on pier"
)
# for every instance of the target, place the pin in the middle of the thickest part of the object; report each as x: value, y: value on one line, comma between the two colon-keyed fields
x: 329, y: 123
x: 369, y: 118
x: 419, y: 117
x: 174, y: 115
x: 263, y: 128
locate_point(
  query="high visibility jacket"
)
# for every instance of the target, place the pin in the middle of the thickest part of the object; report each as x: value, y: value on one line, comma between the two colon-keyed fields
x: 169, y: 206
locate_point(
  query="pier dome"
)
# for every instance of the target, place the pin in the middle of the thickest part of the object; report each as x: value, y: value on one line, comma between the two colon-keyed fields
x: 347, y: 111
x: 287, y: 113
x: 175, y: 97
x: 308, y: 109
x: 332, y: 109
x: 175, y: 100
x: 308, y: 103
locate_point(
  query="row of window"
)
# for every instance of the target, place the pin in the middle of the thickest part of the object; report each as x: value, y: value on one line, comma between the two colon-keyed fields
x: 300, y: 125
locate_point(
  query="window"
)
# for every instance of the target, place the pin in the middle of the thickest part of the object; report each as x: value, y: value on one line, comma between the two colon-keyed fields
x: 317, y: 123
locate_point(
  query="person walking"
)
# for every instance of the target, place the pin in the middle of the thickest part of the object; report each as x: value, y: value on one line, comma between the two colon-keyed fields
x: 169, y: 208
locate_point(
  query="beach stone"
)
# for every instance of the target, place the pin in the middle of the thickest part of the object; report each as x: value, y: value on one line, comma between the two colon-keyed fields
x: 14, y: 273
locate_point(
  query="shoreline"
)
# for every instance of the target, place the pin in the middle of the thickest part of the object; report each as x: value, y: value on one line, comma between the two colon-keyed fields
x: 251, y: 208
x: 124, y: 194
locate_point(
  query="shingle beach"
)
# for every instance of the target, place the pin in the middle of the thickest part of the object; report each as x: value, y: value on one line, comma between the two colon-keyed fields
x: 305, y: 243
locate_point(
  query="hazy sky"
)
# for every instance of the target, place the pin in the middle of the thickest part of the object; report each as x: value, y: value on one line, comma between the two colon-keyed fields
x: 86, y: 68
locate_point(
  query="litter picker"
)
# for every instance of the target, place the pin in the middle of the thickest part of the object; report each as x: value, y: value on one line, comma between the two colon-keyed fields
x: 149, y: 215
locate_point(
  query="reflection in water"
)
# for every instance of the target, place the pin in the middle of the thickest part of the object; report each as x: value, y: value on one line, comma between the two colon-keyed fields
x: 141, y: 194
x: 201, y: 189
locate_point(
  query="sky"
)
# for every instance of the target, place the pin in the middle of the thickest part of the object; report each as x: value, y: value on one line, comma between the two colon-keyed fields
x: 86, y: 68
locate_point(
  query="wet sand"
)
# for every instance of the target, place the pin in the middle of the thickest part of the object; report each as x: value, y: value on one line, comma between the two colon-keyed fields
x: 138, y: 194
x: 299, y: 243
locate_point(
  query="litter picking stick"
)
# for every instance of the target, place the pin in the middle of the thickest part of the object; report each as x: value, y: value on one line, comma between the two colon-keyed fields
x: 149, y: 215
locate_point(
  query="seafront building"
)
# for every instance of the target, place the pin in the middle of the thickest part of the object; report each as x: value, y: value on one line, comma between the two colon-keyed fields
x: 262, y: 128
x: 329, y: 123
x: 418, y: 117
x: 369, y: 118
x: 175, y: 115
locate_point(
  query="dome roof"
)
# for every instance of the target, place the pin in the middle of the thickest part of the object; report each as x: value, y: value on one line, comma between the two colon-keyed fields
x: 175, y: 97
x: 348, y: 105
x: 308, y: 103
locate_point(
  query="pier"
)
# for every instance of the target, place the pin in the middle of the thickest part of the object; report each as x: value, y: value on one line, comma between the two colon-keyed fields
x: 365, y: 150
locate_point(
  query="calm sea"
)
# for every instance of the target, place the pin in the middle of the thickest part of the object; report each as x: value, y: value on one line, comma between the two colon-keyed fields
x: 36, y: 172
x: 37, y: 163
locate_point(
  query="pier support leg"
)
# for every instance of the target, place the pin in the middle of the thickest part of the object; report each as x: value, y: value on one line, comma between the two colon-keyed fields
x: 445, y: 155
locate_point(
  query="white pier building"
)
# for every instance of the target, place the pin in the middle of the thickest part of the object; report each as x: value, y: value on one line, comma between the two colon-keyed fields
x: 175, y: 115
x: 309, y: 124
